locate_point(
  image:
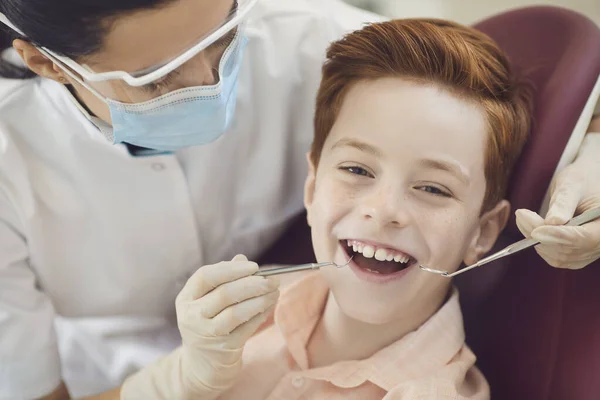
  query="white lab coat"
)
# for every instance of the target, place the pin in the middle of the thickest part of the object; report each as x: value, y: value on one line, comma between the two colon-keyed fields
x: 95, y: 244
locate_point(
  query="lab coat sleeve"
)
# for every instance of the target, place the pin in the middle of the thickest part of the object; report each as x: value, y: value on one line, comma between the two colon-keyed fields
x: 29, y: 358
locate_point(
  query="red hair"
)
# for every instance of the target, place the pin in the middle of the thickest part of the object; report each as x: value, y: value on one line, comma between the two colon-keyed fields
x: 460, y: 59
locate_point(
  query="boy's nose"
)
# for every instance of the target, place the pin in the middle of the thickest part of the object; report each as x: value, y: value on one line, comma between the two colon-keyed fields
x: 386, y: 207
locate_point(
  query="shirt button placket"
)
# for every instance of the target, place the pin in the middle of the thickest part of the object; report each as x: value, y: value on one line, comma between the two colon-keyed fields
x: 158, y: 166
x: 297, y: 382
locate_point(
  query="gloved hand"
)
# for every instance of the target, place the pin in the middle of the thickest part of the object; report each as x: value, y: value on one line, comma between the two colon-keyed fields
x: 218, y: 310
x: 575, y: 188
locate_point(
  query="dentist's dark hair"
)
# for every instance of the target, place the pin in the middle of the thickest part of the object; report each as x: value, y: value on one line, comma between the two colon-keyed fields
x: 71, y: 28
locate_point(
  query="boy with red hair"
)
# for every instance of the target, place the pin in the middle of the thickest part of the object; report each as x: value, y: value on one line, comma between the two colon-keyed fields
x: 418, y: 124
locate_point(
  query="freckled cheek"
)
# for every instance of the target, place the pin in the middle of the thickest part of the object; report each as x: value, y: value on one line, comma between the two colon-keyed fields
x: 331, y: 208
x: 332, y: 202
x: 446, y: 238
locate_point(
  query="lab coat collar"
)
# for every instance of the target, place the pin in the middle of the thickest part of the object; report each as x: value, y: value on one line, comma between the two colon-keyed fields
x: 104, y: 128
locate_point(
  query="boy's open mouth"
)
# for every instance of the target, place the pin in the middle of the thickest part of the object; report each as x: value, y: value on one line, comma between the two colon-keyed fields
x: 377, y: 260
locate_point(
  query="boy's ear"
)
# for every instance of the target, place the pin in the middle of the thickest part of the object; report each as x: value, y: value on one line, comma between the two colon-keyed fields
x: 309, y: 186
x: 491, y: 224
x: 37, y: 62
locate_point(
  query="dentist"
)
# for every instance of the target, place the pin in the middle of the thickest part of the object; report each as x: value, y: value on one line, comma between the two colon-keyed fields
x: 139, y: 140
x: 156, y: 136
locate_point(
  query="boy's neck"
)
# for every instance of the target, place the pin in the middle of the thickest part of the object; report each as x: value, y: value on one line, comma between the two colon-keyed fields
x: 338, y: 337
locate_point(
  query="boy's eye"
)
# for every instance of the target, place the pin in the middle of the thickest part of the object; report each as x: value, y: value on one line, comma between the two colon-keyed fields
x: 434, y: 191
x: 357, y: 171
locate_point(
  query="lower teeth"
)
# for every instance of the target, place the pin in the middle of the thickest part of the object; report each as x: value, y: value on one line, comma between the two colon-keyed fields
x: 375, y: 272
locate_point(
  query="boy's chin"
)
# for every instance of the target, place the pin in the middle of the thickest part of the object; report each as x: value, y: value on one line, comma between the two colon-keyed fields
x: 368, y: 314
x: 368, y: 308
x: 408, y: 305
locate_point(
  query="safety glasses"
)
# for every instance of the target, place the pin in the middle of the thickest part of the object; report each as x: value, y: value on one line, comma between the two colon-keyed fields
x: 236, y: 16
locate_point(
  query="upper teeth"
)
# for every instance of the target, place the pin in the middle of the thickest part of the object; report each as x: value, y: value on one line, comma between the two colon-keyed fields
x: 380, y: 254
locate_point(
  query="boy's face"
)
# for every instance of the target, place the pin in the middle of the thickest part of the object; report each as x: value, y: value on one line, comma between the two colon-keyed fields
x: 401, y: 178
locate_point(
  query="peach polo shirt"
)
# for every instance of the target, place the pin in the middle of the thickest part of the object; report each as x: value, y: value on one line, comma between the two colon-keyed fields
x: 432, y: 362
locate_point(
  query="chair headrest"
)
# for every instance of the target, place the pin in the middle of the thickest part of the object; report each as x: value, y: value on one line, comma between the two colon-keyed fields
x: 559, y: 52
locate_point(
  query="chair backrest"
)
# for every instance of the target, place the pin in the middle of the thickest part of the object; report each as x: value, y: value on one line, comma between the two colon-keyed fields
x: 535, y: 329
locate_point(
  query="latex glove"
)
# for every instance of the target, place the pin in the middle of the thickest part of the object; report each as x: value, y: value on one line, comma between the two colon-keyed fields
x: 575, y: 188
x: 218, y: 310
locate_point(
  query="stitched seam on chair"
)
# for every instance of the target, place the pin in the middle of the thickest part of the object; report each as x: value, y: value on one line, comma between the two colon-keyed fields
x: 556, y: 340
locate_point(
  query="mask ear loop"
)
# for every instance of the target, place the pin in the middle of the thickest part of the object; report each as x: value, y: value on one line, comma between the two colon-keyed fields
x: 9, y: 24
x: 74, y: 76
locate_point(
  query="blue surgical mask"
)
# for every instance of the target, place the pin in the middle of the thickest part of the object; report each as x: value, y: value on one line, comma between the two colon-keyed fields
x: 187, y: 117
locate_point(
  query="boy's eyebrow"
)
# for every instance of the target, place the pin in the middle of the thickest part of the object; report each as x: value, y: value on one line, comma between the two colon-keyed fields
x: 362, y: 146
x: 448, y: 166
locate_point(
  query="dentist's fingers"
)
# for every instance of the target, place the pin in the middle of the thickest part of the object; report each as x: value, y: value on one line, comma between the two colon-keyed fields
x: 234, y: 316
x: 586, y: 238
x: 571, y: 247
x: 563, y: 260
x: 236, y: 292
x: 242, y: 333
x: 527, y: 221
x: 239, y: 257
x: 567, y: 192
x: 209, y: 277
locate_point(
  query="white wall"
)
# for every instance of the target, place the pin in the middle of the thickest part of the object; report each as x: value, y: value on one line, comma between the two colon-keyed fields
x: 469, y: 11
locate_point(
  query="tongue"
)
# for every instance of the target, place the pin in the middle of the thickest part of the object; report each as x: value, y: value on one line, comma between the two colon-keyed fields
x: 383, y: 267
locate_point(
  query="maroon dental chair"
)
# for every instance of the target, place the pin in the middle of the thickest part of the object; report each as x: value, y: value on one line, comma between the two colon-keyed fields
x: 535, y: 329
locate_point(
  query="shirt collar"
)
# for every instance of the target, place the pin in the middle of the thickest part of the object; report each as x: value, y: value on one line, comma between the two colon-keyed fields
x: 299, y: 310
x: 417, y: 354
x: 421, y: 352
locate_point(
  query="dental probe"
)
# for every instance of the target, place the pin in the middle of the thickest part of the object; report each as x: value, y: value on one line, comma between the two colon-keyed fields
x: 584, y: 218
x: 296, y: 268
